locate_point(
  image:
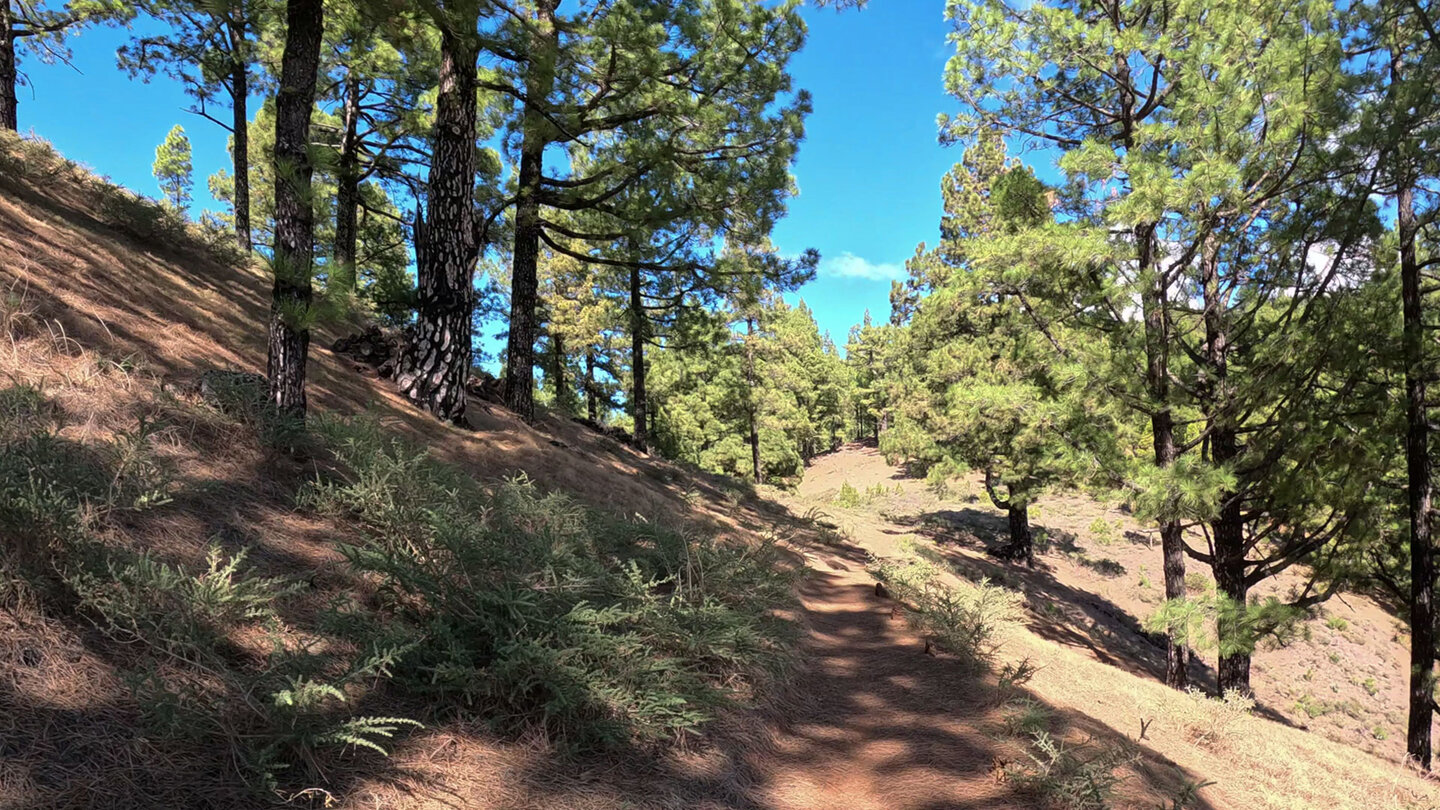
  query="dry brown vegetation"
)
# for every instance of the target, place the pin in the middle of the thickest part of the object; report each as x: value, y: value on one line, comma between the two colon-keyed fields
x: 113, y: 313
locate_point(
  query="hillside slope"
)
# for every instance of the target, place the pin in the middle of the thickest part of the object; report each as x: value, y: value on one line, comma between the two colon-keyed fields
x: 114, y: 314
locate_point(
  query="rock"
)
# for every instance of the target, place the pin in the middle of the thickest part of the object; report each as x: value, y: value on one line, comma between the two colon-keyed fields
x: 373, y: 347
x: 618, y: 434
x: 485, y: 386
x: 231, y: 391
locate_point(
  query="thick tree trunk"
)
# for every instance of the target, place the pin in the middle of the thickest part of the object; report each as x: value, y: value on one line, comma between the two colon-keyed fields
x: 289, y: 343
x: 638, y: 331
x: 9, y: 73
x: 752, y: 408
x: 347, y: 189
x: 438, y: 353
x: 240, y: 132
x: 1162, y: 429
x: 1227, y: 531
x: 524, y: 286
x: 1419, y: 489
x: 592, y: 405
x: 525, y: 257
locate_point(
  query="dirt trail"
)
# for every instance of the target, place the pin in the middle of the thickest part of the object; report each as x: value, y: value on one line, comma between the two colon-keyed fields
x: 883, y: 725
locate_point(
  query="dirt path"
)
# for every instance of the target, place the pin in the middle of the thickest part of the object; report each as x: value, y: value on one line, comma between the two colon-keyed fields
x: 883, y: 725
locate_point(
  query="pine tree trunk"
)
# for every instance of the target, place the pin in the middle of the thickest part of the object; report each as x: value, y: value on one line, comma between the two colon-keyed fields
x: 289, y: 343
x: 437, y: 357
x: 1022, y: 542
x: 9, y: 73
x: 1229, y: 568
x: 347, y: 189
x: 1227, y: 530
x: 753, y: 410
x: 637, y: 361
x: 1419, y: 489
x: 524, y: 287
x: 562, y: 394
x: 240, y: 131
x: 1162, y: 429
x: 525, y: 257
x: 592, y: 406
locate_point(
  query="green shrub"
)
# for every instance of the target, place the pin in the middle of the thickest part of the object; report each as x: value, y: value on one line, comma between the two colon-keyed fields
x: 144, y: 599
x: 966, y: 620
x: 1102, y: 532
x: 176, y: 625
x: 1024, y: 717
x: 244, y: 396
x: 848, y: 497
x: 538, y: 612
x: 1073, y: 777
x: 50, y: 487
x: 190, y: 684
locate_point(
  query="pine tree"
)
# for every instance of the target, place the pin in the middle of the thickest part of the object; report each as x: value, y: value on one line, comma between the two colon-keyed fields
x: 172, y: 168
x: 292, y: 295
x: 1209, y: 180
x: 1406, y: 116
x: 986, y: 390
x: 209, y: 47
x: 673, y: 117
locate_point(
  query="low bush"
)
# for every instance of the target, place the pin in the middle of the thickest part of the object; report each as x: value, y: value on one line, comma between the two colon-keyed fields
x: 526, y: 607
x: 1080, y: 776
x: 192, y: 682
x: 1024, y: 717
x: 967, y: 620
x: 1211, y: 722
x: 263, y: 709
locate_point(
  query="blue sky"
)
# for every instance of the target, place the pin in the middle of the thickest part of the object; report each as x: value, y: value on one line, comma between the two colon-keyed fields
x: 869, y: 170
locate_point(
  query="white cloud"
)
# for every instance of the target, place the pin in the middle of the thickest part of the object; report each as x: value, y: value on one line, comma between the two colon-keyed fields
x: 848, y: 265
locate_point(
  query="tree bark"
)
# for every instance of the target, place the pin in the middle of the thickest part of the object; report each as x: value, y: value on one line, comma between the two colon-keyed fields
x: 592, y: 406
x: 437, y: 358
x: 9, y: 73
x: 751, y: 406
x: 289, y: 341
x: 1419, y: 488
x: 240, y: 132
x: 347, y: 188
x: 524, y: 279
x: 1022, y: 542
x: 638, y: 332
x: 1162, y: 429
x: 1227, y: 529
x: 557, y: 370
